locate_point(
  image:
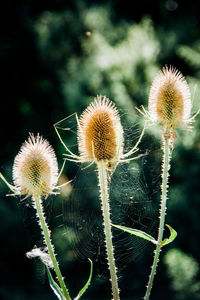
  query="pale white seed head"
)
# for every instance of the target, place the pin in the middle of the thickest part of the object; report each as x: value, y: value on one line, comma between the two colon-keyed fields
x: 35, y: 169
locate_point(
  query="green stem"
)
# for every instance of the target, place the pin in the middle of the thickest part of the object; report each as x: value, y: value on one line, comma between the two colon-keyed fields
x: 165, y: 175
x: 46, y: 233
x: 103, y: 183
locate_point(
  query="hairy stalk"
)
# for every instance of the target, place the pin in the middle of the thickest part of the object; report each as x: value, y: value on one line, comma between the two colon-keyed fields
x: 164, y: 186
x: 103, y: 183
x: 46, y: 233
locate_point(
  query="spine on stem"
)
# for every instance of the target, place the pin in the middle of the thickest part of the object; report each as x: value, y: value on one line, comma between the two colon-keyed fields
x: 104, y: 195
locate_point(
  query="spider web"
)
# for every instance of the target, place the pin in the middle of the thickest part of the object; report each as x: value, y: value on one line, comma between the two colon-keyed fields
x: 130, y: 201
x: 131, y: 205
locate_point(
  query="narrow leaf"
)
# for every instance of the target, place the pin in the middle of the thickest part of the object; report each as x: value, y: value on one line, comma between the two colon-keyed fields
x: 173, y: 235
x: 82, y: 291
x: 137, y: 232
x: 55, y: 287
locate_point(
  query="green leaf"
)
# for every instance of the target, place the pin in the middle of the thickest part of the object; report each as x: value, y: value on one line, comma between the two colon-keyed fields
x: 173, y: 235
x: 55, y: 287
x: 82, y: 291
x: 137, y: 232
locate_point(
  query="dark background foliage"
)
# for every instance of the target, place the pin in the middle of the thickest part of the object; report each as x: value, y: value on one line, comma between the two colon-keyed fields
x: 56, y: 56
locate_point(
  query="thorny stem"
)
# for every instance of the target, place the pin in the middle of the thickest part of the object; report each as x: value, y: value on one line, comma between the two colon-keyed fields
x: 46, y: 232
x: 164, y: 186
x: 103, y: 183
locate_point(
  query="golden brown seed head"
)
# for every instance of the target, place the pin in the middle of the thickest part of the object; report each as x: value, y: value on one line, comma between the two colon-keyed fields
x: 35, y: 170
x: 169, y: 99
x: 100, y: 134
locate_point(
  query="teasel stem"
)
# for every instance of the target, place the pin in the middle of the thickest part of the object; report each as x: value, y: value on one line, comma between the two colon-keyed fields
x: 164, y: 188
x: 46, y: 233
x: 104, y: 195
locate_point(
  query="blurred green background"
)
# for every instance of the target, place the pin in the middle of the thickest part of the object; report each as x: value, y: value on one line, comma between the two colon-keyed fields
x: 56, y: 56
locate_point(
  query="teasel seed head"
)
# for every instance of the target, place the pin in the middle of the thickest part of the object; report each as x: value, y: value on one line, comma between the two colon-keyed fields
x: 35, y: 169
x: 100, y: 134
x: 169, y: 100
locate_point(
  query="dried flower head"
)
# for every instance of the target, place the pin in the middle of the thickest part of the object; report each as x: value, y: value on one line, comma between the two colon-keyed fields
x: 100, y: 134
x: 169, y: 99
x: 35, y: 170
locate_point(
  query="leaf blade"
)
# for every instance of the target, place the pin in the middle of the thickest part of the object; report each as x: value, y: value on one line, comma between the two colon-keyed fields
x: 173, y: 235
x: 54, y: 286
x: 136, y: 232
x: 82, y: 291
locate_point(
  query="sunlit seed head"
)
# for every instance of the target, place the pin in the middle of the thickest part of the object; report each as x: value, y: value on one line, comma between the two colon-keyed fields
x: 100, y: 134
x: 35, y: 169
x: 169, y: 99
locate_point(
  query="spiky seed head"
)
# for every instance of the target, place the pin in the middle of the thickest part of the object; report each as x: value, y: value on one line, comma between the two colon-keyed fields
x: 35, y: 169
x: 169, y: 99
x: 100, y: 134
